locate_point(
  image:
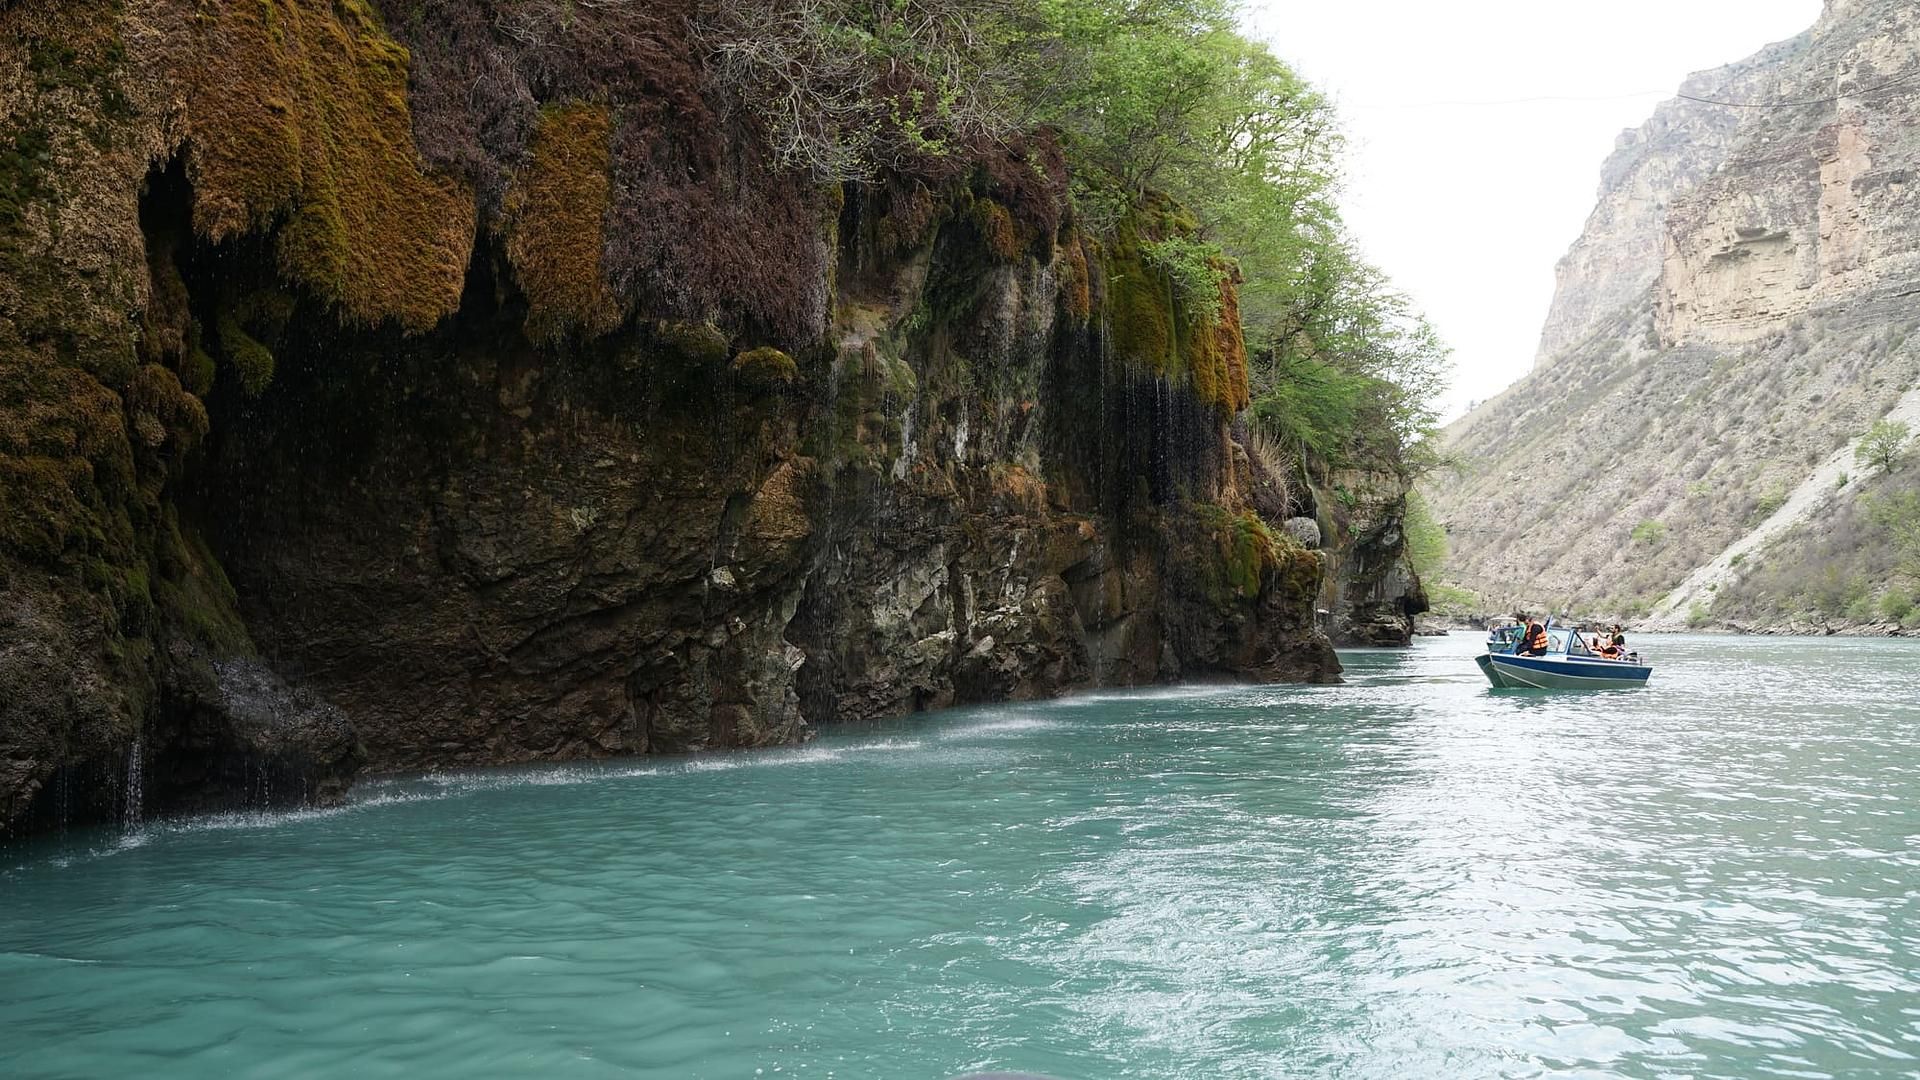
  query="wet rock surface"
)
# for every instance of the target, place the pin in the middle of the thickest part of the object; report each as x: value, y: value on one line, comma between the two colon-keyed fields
x: 548, y: 559
x: 324, y: 451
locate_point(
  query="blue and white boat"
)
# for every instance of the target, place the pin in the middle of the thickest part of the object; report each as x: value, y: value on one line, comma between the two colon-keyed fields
x: 1568, y: 664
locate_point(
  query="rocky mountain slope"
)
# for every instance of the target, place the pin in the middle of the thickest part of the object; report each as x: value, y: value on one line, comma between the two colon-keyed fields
x: 374, y: 395
x: 1739, y: 309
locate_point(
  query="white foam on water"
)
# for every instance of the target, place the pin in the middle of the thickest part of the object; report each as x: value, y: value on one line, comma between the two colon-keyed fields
x: 1151, y: 693
x: 812, y: 755
x: 1004, y: 726
x: 884, y: 747
x: 129, y: 840
x: 568, y: 777
x: 722, y: 762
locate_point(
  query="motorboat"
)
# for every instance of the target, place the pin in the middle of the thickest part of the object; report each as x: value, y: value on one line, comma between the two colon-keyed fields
x: 1568, y: 664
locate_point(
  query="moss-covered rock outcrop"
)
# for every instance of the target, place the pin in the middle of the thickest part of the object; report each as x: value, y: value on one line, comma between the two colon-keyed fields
x: 346, y: 419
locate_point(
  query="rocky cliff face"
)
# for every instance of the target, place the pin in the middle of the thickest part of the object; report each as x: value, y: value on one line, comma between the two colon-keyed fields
x: 1372, y: 592
x: 1737, y: 310
x: 352, y: 421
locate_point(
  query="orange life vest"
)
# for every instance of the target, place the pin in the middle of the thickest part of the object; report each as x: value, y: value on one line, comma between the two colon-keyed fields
x: 1536, y: 638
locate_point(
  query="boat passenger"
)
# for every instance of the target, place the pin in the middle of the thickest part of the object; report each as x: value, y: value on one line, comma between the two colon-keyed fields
x: 1616, y: 644
x: 1534, y: 641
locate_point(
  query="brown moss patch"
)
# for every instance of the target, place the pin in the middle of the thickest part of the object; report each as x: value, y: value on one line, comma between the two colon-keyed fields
x: 1018, y: 488
x: 297, y: 117
x: 907, y: 217
x: 778, y: 515
x: 554, y: 218
x: 1230, y: 345
x: 167, y: 321
x: 155, y: 399
x: 1029, y: 177
x: 998, y: 230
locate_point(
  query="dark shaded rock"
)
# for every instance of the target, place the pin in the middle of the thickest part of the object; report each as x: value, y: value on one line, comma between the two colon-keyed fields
x: 243, y: 737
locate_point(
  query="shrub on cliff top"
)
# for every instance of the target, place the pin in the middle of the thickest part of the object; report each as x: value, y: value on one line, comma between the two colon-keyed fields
x: 847, y: 88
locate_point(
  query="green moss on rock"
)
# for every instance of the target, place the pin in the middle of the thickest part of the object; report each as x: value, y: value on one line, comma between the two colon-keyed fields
x: 196, y: 366
x: 1139, y: 304
x: 1248, y: 557
x: 251, y: 361
x: 766, y: 366
x: 692, y: 344
x: 1076, y: 280
x: 1178, y: 339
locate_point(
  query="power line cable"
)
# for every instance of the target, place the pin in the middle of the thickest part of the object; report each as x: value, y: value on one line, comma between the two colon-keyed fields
x: 1902, y: 81
x: 1513, y: 101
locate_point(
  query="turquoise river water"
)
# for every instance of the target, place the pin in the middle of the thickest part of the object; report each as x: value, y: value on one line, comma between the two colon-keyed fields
x: 1407, y: 876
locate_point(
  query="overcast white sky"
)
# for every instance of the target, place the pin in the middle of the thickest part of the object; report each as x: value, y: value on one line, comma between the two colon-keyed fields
x: 1468, y: 206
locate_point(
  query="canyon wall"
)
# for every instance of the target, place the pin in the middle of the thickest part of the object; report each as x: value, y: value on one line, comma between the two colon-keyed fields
x: 396, y: 389
x: 1738, y: 310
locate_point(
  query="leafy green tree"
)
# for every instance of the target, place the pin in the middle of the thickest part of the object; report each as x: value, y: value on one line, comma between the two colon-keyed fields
x: 1881, y: 446
x: 1165, y: 96
x: 1148, y: 99
x: 1426, y: 538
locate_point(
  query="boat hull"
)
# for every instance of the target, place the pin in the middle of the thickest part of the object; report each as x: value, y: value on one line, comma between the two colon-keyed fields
x: 1561, y: 673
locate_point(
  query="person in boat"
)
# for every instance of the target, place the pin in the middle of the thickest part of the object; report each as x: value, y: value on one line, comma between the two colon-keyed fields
x: 1619, y: 642
x: 1533, y: 642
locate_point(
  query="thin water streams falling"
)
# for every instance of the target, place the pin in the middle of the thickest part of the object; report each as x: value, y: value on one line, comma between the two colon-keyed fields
x: 134, y: 787
x: 1406, y: 876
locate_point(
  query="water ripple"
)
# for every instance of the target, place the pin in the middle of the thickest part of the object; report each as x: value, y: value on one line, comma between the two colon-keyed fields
x: 1408, y: 875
